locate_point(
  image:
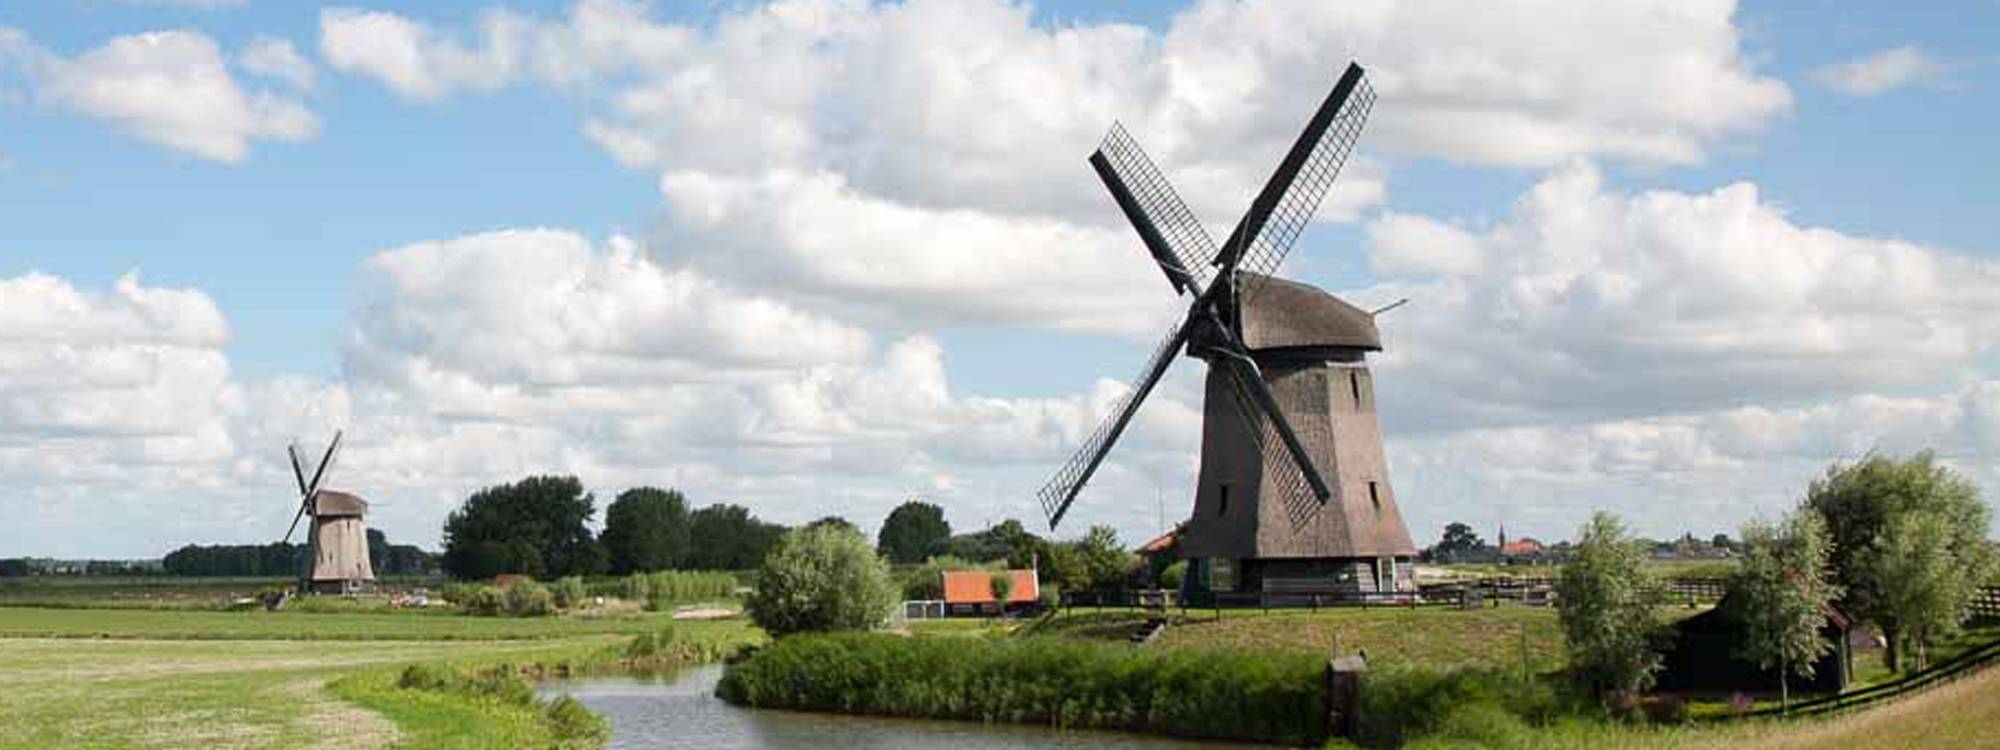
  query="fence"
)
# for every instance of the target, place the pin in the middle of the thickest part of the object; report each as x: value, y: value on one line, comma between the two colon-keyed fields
x: 1471, y: 593
x: 1960, y: 666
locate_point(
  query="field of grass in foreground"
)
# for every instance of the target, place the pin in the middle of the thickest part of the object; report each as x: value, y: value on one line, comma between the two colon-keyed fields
x: 205, y: 689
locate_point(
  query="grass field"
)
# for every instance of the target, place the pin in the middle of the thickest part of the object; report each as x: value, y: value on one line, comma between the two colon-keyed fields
x: 135, y: 678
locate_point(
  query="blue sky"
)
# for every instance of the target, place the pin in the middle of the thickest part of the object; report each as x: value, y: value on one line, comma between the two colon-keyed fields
x: 281, y: 239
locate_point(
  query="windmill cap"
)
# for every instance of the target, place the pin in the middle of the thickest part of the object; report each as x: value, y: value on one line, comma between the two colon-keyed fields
x: 1284, y: 314
x: 337, y: 503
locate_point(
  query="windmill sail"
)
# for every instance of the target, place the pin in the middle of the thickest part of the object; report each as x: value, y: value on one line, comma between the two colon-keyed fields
x: 1061, y: 489
x: 1170, y: 230
x: 1289, y: 199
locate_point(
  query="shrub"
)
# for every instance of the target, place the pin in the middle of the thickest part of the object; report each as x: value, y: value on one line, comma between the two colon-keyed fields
x: 1606, y: 600
x: 651, y: 644
x: 1223, y: 694
x: 530, y: 599
x: 568, y: 592
x: 575, y: 725
x: 821, y: 578
x: 485, y: 601
x: 1402, y: 704
x: 1170, y: 576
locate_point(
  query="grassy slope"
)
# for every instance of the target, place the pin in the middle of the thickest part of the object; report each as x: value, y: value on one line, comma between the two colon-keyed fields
x: 1486, y: 637
x: 197, y: 690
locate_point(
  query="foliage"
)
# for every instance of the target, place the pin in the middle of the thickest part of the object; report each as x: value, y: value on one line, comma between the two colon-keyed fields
x: 1606, y: 601
x: 1105, y: 564
x: 637, y: 587
x: 572, y: 725
x: 1172, y: 575
x: 913, y: 532
x: 568, y: 592
x: 486, y: 601
x: 1924, y: 579
x: 530, y: 599
x: 1783, y: 590
x: 1006, y: 541
x: 646, y: 529
x: 669, y: 587
x: 274, y: 559
x: 835, y: 521
x: 537, y: 527
x: 1002, y: 584
x: 728, y: 537
x: 1402, y: 703
x: 398, y: 559
x: 1458, y: 542
x: 1242, y: 695
x: 1862, y: 504
x: 818, y: 579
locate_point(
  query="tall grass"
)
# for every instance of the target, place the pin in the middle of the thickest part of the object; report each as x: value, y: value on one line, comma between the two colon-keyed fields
x: 1221, y: 694
x: 669, y: 587
x: 1485, y: 708
x: 570, y: 724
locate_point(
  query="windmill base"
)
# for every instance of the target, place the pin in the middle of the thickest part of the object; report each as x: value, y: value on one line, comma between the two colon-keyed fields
x: 1302, y: 575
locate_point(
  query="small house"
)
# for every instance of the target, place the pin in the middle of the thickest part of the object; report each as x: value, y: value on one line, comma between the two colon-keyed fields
x: 970, y: 592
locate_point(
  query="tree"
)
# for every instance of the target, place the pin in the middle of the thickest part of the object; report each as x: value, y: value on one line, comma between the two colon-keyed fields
x: 821, y: 578
x: 728, y: 537
x: 1105, y: 563
x: 1721, y: 542
x: 645, y: 529
x: 1782, y: 590
x: 835, y: 521
x: 1457, y: 543
x: 914, y: 531
x: 537, y: 526
x: 1006, y: 541
x: 1924, y: 581
x: 1867, y: 507
x: 1002, y: 583
x: 1606, y: 602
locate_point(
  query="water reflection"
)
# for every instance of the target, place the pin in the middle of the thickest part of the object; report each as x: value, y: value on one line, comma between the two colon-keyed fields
x: 681, y: 711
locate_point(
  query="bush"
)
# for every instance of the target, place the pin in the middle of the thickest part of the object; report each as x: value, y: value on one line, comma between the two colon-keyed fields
x: 636, y: 587
x: 821, y: 578
x: 576, y: 725
x: 1170, y: 576
x: 568, y: 592
x: 573, y: 725
x: 476, y: 599
x: 651, y: 644
x: 1222, y: 694
x: 1401, y: 704
x: 530, y: 599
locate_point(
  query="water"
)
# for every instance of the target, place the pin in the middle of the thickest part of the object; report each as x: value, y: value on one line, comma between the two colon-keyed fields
x: 681, y: 711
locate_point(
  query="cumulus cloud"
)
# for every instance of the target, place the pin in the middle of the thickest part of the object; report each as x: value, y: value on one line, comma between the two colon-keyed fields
x: 413, y: 60
x: 169, y: 87
x: 1880, y: 73
x: 1589, y: 303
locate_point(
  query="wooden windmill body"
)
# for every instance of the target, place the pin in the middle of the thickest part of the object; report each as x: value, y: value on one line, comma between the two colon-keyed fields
x: 337, y: 533
x: 1293, y: 493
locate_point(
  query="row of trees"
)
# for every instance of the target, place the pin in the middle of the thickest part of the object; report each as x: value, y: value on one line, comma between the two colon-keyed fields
x: 1897, y: 543
x: 540, y: 526
x: 282, y: 559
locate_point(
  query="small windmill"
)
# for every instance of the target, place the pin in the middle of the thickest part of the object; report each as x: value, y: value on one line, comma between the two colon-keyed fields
x: 1294, y: 491
x: 336, y: 536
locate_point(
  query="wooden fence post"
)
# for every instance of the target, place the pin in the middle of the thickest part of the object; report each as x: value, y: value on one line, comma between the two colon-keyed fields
x: 1343, y: 695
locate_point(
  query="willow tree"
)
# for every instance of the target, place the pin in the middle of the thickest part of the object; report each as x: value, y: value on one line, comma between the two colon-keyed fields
x: 1608, y: 606
x: 1783, y: 588
x: 1909, y: 545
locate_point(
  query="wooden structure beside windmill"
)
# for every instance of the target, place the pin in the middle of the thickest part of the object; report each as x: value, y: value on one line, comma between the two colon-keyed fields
x: 337, y: 533
x: 1293, y: 494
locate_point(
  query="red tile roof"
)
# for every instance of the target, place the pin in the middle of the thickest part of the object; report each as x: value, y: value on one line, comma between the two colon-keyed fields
x: 1522, y: 547
x: 976, y: 586
x: 1160, y: 543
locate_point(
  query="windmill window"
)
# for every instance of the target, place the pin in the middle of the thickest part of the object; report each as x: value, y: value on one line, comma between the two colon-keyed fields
x: 1223, y: 506
x: 1375, y: 496
x: 1354, y: 384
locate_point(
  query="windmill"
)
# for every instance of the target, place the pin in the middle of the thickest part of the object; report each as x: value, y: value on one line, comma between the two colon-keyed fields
x: 1293, y: 493
x: 336, y: 534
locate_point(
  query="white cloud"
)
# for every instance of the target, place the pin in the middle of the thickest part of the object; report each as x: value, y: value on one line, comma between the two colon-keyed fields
x: 1590, y: 304
x: 415, y: 61
x: 189, y: 3
x: 169, y: 87
x: 278, y: 59
x: 1880, y: 73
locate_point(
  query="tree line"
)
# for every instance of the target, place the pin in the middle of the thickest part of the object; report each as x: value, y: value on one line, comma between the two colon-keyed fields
x: 540, y: 526
x: 285, y: 559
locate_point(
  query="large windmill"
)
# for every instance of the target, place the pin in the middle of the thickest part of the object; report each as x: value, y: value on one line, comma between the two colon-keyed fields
x: 1294, y: 490
x: 336, y: 536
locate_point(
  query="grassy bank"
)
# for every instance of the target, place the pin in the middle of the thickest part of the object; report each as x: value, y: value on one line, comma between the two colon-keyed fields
x: 199, y: 689
x: 1488, y: 638
x: 1218, y: 693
